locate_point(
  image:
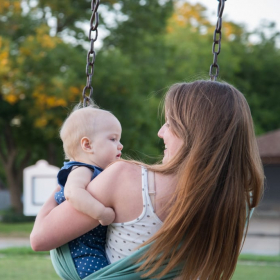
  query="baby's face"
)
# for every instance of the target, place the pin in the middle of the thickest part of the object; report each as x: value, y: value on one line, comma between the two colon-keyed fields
x: 106, y: 141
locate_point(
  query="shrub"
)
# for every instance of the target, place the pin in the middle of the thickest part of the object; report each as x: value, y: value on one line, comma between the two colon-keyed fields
x: 11, y: 216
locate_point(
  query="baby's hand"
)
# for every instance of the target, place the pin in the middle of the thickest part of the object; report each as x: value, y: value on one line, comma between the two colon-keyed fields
x: 108, y: 216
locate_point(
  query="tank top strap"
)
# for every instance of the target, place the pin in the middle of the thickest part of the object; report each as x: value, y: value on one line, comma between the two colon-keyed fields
x: 145, y: 188
x: 145, y: 191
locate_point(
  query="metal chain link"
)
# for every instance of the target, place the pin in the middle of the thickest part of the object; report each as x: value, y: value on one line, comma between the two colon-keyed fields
x: 93, y: 34
x: 217, y: 42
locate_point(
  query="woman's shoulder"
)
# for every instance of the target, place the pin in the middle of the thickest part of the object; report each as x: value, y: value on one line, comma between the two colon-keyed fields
x: 124, y: 167
x: 115, y: 182
x: 118, y: 174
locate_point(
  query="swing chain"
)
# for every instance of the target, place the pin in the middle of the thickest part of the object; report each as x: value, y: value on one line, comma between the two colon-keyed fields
x: 217, y: 41
x: 94, y: 20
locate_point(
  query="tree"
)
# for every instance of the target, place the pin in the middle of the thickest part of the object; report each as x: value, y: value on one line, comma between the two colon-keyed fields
x: 35, y: 77
x: 42, y: 76
x: 189, y: 37
x: 250, y: 66
x: 136, y: 50
x: 151, y: 45
x: 259, y: 67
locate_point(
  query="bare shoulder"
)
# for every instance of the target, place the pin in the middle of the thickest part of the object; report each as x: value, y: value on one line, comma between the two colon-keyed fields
x: 114, y: 180
x: 123, y: 168
x: 118, y: 172
x: 124, y: 193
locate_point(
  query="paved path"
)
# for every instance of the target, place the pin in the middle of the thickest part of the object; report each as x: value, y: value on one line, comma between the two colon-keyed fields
x: 13, y: 242
x: 263, y: 237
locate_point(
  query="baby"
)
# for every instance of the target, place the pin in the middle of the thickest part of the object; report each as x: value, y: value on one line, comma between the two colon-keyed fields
x: 91, y: 141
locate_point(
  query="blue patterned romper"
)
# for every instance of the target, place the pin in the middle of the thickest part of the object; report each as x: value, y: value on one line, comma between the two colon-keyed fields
x: 88, y: 250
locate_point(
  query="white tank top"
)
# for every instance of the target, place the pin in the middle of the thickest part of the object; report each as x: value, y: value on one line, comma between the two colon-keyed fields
x: 123, y: 238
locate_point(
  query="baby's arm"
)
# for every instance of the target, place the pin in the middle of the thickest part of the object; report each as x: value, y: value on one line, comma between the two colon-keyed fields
x: 75, y: 192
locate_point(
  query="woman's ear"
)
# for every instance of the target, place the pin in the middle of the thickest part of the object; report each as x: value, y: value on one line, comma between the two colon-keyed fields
x: 86, y: 145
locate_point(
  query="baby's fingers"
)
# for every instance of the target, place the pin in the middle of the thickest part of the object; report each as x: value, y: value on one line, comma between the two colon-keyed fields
x: 109, y: 217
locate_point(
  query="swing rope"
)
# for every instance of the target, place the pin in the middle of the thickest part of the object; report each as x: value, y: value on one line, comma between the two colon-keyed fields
x: 217, y: 42
x: 93, y: 34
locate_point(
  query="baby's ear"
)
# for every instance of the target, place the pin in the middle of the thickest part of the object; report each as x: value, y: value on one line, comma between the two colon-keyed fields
x: 86, y: 145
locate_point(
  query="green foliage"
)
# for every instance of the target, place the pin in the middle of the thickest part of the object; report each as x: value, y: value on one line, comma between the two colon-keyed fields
x: 257, y: 77
x: 251, y: 67
x: 131, y: 68
x: 120, y: 92
x: 35, y: 80
x: 10, y: 216
x: 152, y: 45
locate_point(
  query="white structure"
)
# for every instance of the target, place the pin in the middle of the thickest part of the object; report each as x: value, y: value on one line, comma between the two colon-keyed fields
x: 5, y: 199
x: 39, y: 181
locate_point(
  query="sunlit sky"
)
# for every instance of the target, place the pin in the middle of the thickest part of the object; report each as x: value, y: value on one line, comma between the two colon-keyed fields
x: 248, y: 12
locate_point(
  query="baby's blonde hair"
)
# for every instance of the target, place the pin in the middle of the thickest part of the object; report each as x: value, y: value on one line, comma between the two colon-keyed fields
x: 80, y: 123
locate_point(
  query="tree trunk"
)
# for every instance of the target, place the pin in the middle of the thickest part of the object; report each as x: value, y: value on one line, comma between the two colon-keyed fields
x: 15, y: 179
x: 13, y: 168
x: 12, y: 179
x: 51, y: 154
x: 15, y: 191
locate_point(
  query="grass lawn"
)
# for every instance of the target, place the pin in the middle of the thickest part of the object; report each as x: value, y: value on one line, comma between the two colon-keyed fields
x: 253, y: 267
x: 26, y: 268
x: 24, y: 264
x: 257, y: 271
x: 16, y: 230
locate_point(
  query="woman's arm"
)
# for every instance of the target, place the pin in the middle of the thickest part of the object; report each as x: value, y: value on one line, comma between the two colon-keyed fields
x: 56, y: 225
x: 76, y: 194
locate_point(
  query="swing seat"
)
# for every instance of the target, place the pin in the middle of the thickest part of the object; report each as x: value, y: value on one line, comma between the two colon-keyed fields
x: 124, y: 269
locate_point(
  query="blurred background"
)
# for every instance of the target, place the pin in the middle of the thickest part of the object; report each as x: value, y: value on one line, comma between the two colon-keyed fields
x: 143, y: 47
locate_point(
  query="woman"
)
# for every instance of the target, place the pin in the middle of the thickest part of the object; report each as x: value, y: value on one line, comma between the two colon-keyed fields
x: 210, y: 178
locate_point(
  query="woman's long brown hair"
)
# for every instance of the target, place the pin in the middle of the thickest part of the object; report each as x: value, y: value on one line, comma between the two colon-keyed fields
x: 220, y: 179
